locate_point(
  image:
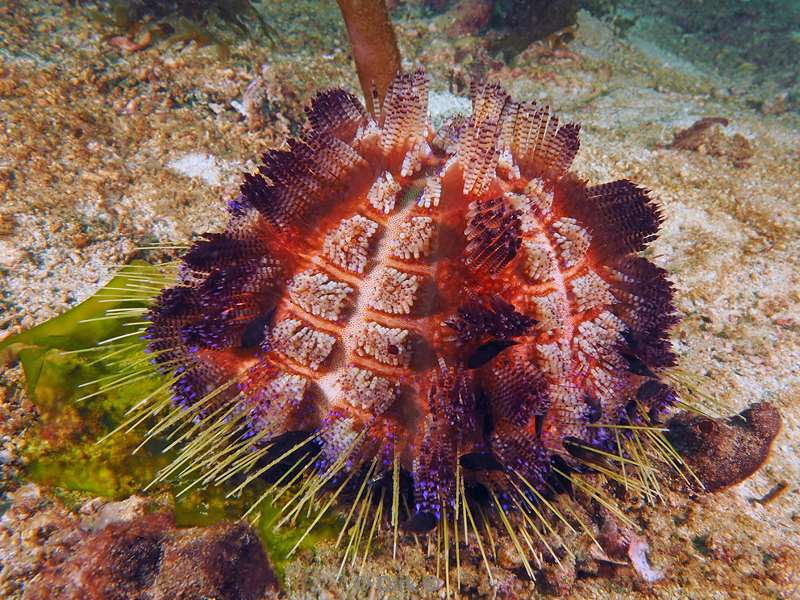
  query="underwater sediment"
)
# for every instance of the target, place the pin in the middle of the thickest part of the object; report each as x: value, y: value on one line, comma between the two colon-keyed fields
x: 606, y: 156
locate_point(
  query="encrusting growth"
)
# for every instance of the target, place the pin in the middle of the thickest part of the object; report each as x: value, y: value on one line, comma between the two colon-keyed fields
x: 446, y: 329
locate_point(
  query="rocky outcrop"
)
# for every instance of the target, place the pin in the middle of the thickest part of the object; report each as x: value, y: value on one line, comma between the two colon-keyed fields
x: 120, y: 551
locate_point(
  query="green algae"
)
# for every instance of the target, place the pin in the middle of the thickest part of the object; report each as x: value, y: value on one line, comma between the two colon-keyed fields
x: 65, y: 453
x: 62, y: 451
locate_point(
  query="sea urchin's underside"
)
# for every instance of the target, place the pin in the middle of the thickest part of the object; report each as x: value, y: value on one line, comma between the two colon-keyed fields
x: 452, y: 310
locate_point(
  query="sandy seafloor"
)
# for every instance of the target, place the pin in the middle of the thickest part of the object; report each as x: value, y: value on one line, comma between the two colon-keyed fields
x: 101, y: 151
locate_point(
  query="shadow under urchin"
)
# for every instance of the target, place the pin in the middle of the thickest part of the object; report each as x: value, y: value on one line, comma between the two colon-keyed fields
x: 440, y: 330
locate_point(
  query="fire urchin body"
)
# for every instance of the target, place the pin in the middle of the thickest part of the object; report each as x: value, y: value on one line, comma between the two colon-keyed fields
x: 450, y: 314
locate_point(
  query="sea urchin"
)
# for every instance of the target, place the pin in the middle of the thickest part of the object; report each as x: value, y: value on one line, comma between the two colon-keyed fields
x: 444, y: 327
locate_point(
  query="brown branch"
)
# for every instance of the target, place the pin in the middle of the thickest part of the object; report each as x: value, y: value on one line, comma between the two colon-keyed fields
x: 373, y: 44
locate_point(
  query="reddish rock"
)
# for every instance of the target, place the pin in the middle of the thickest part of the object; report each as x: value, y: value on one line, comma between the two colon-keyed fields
x: 224, y: 561
x: 119, y: 562
x: 724, y: 453
x: 783, y: 567
x: 558, y: 579
x: 706, y: 137
x: 471, y: 16
x: 149, y: 559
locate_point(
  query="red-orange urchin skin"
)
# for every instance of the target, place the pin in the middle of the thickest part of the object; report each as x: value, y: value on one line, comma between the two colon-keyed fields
x: 443, y: 297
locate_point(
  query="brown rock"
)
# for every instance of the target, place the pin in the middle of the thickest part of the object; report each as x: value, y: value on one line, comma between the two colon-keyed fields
x: 471, y: 16
x: 118, y: 563
x: 706, y: 137
x: 7, y: 223
x: 721, y: 453
x: 783, y: 566
x: 559, y: 579
x: 114, y: 512
x: 148, y: 559
x: 695, y: 136
x: 508, y: 557
x: 224, y: 561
